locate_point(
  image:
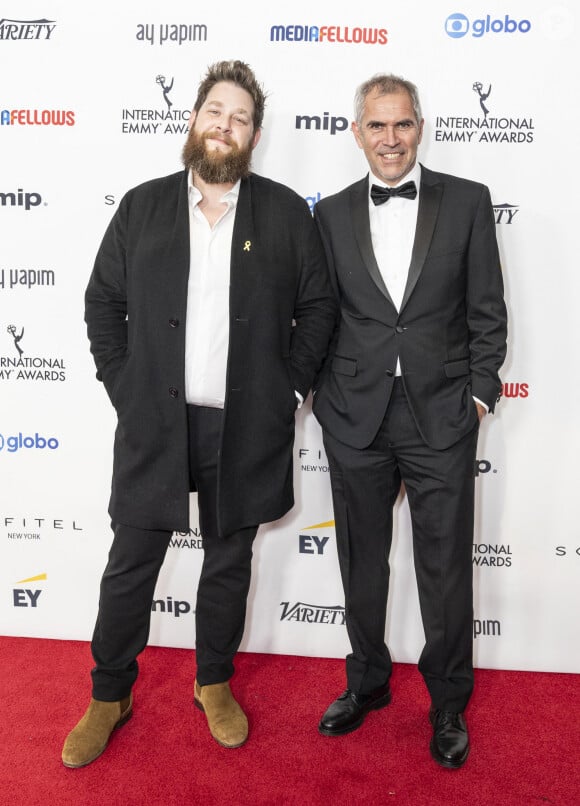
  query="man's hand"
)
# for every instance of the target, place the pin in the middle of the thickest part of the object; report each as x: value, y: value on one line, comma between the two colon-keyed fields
x: 481, y: 412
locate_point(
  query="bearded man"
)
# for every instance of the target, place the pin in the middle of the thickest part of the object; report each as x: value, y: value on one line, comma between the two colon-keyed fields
x: 208, y: 313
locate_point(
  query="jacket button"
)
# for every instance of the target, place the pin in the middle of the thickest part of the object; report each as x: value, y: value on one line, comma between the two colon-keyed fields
x: 390, y: 373
x: 399, y: 329
x: 173, y: 322
x: 173, y: 391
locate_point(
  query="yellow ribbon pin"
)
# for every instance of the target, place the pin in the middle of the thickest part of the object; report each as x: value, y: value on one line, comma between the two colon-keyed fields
x: 247, y: 246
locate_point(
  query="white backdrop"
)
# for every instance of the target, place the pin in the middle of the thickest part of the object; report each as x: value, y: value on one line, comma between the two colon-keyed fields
x: 94, y: 103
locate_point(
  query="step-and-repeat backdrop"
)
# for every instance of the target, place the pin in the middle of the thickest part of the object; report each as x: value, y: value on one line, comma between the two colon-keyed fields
x: 95, y: 101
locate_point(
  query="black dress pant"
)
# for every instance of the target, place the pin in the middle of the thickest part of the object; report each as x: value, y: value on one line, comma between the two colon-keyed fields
x: 135, y: 559
x: 440, y: 490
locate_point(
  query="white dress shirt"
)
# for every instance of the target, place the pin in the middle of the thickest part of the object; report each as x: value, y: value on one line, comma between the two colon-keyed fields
x: 207, y: 327
x: 393, y: 226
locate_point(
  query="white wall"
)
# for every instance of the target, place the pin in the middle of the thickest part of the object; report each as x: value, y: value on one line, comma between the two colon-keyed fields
x: 61, y: 185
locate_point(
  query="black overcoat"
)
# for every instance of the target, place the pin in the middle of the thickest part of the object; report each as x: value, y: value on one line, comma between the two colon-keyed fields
x: 282, y: 313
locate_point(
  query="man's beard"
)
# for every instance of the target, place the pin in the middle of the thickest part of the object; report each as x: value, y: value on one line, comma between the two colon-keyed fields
x: 216, y: 167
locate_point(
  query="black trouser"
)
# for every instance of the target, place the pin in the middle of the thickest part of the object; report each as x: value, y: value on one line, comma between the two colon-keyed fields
x: 135, y: 559
x: 440, y: 490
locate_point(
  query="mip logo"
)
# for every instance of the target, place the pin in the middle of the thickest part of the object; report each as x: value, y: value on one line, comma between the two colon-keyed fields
x: 458, y: 25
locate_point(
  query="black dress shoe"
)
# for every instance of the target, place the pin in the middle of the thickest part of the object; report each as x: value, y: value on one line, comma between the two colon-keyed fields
x: 349, y: 710
x: 450, y: 743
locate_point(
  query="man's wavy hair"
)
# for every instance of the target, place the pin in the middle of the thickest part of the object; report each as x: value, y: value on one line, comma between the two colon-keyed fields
x: 240, y: 74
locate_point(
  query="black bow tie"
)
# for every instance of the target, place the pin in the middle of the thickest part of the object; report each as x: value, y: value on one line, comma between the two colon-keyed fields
x: 380, y: 195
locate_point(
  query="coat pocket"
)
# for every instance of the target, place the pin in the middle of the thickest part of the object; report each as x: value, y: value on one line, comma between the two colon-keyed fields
x: 455, y: 369
x: 344, y: 366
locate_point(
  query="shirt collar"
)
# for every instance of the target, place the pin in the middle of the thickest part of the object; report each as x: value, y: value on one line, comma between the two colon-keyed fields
x: 230, y: 197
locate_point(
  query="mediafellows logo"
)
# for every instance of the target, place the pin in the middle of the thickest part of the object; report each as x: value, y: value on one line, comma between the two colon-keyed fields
x: 26, y: 29
x: 332, y: 34
x: 21, y: 366
x: 162, y: 119
x: 458, y: 25
x: 485, y: 126
x: 37, y: 117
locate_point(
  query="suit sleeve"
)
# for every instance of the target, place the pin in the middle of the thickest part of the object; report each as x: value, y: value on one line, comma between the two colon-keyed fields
x: 486, y: 310
x: 315, y: 309
x: 106, y: 302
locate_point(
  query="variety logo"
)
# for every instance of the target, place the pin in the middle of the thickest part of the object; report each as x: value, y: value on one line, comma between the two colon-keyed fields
x: 170, y: 606
x: 496, y: 555
x: 21, y: 198
x: 485, y: 128
x: 313, y: 544
x: 515, y: 390
x: 160, y: 120
x: 24, y: 367
x: 186, y: 540
x: 37, y: 117
x: 334, y: 34
x: 489, y: 629
x: 326, y: 123
x: 18, y: 442
x: 27, y: 597
x: 505, y: 213
x: 26, y: 29
x: 173, y: 34
x: 312, y: 614
x: 458, y: 25
x: 26, y: 278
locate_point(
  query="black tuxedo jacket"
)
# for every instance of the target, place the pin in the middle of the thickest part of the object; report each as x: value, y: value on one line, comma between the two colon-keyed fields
x: 282, y: 314
x: 450, y: 332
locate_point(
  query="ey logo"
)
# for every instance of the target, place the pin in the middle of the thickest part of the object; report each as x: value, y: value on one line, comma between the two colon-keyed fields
x: 312, y: 544
x: 25, y: 597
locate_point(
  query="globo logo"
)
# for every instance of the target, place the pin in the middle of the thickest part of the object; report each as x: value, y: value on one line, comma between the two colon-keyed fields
x: 458, y: 25
x: 17, y: 442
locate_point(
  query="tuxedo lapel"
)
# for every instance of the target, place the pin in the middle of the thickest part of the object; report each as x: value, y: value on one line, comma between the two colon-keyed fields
x: 429, y: 200
x: 359, y: 203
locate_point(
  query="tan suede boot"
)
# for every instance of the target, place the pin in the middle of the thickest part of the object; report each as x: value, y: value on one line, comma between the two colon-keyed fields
x: 227, y: 722
x: 90, y: 736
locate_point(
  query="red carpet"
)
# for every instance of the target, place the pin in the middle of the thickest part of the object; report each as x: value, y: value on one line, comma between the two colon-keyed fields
x: 524, y: 728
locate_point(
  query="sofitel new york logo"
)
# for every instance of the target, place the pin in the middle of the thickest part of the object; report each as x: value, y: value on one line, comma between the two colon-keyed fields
x: 164, y: 119
x: 485, y: 128
x: 22, y: 367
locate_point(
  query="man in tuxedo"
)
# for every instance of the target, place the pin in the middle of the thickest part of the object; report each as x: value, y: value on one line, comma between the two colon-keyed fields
x: 412, y: 370
x: 209, y: 313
